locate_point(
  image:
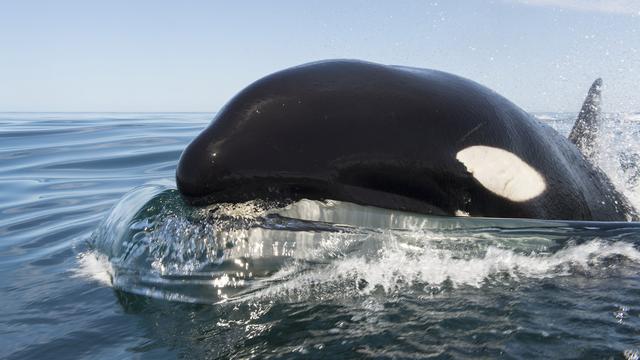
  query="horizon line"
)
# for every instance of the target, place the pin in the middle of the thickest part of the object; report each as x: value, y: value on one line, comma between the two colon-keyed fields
x: 107, y: 112
x: 214, y: 112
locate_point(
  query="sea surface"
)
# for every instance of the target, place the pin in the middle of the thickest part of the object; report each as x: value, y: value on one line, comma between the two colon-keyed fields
x: 100, y: 258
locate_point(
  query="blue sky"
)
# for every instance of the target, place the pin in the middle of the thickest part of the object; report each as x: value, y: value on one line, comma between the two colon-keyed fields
x: 194, y: 55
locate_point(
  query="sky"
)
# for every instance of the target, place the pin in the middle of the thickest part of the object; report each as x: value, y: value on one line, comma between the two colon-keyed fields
x: 165, y: 56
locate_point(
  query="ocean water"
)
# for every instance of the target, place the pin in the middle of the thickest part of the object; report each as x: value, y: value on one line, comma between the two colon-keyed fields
x: 101, y: 259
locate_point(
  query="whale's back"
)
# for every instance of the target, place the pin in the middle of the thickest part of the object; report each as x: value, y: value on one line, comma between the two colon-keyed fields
x: 390, y: 136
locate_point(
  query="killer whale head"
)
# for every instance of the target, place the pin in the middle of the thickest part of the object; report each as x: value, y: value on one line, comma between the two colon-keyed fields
x: 388, y: 136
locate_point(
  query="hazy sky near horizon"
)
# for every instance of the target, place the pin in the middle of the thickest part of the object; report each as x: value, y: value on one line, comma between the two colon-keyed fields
x: 194, y: 55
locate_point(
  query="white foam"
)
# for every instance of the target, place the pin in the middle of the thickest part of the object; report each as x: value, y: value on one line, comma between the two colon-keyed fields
x: 618, y: 136
x: 400, y: 266
x: 461, y: 213
x: 632, y: 117
x: 94, y: 266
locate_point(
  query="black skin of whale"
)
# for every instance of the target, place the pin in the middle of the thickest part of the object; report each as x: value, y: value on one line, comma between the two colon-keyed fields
x: 584, y: 131
x: 385, y: 136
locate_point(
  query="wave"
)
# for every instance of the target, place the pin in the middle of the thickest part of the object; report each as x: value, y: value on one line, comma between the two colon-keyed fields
x: 153, y: 244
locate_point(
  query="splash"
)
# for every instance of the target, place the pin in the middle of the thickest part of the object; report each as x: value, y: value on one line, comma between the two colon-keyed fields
x: 618, y: 153
x: 320, y: 250
x: 398, y: 269
x: 616, y: 150
x: 95, y: 266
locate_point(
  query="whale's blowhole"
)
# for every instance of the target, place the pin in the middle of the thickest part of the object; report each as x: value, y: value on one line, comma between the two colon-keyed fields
x: 502, y: 172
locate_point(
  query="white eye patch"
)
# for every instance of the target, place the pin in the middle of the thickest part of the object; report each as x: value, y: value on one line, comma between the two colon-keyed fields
x: 502, y: 172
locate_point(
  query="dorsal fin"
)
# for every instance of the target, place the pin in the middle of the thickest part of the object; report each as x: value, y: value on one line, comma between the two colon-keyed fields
x: 585, y: 129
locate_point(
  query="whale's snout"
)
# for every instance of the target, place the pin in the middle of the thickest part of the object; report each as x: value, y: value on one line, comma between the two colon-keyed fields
x: 199, y: 172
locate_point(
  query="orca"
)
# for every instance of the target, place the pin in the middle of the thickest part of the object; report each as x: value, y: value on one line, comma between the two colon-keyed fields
x: 400, y: 138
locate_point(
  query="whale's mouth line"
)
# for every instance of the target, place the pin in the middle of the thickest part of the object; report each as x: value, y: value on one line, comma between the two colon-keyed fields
x: 282, y: 193
x: 270, y: 190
